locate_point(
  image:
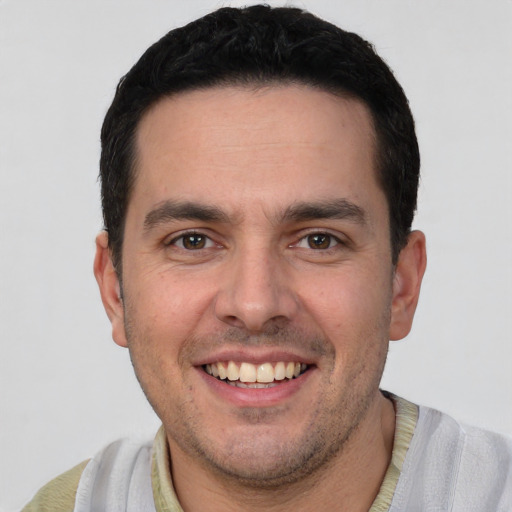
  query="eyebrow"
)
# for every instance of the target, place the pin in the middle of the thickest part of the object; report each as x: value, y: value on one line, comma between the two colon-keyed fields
x: 182, y: 210
x: 335, y: 209
x: 299, y: 212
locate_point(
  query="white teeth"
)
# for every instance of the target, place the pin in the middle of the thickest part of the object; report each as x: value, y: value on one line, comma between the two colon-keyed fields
x: 222, y: 371
x: 265, y: 373
x: 248, y: 373
x: 233, y: 372
x: 252, y: 385
x: 279, y: 371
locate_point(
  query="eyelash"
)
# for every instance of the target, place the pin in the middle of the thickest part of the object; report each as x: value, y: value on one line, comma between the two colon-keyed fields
x: 190, y: 234
x: 334, y: 241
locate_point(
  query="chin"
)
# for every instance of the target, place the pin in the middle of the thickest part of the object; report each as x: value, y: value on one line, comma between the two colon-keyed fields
x: 263, y: 456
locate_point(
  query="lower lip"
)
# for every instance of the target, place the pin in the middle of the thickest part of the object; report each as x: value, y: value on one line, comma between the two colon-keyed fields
x: 256, y: 397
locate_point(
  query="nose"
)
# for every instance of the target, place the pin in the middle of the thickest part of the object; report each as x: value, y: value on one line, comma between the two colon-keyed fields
x: 256, y: 293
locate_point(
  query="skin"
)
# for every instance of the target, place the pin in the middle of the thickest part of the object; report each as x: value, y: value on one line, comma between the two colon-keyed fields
x: 259, y: 287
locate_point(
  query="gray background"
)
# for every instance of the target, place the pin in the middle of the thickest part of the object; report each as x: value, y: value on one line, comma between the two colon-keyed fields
x: 67, y: 390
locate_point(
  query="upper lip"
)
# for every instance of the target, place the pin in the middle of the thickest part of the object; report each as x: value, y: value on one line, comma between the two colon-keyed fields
x: 254, y: 356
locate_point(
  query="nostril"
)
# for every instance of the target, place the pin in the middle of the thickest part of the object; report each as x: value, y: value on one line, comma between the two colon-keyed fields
x: 233, y: 321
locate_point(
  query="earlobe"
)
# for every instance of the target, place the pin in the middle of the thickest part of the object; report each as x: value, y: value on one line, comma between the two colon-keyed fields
x: 406, y: 285
x: 110, y: 290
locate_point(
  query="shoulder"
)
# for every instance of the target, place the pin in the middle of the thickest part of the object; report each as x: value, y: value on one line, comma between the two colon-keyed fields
x: 59, y: 494
x: 485, y: 470
x: 459, y: 466
x: 438, y: 432
x: 125, y: 464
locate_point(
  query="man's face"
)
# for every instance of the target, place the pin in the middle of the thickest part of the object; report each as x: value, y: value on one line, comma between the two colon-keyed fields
x: 257, y: 245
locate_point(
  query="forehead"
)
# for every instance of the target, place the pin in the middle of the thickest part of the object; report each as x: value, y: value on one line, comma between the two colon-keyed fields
x: 234, y: 145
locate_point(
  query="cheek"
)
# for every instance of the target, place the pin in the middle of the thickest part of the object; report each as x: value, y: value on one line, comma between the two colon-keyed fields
x: 169, y: 306
x: 156, y: 333
x: 353, y: 311
x: 349, y: 298
x: 160, y: 315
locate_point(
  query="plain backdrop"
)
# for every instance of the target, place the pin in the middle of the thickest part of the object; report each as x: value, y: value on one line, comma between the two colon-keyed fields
x: 66, y: 389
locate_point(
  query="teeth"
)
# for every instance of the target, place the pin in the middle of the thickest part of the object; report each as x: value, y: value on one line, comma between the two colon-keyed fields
x: 248, y: 373
x: 233, y: 372
x: 223, y: 374
x: 252, y: 385
x: 265, y: 373
x: 255, y: 376
x: 279, y: 371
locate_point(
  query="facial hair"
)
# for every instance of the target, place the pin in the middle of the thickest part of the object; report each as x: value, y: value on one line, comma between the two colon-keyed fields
x: 267, y: 460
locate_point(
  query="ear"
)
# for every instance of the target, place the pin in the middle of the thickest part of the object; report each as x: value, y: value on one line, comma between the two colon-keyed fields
x: 409, y: 271
x: 110, y: 289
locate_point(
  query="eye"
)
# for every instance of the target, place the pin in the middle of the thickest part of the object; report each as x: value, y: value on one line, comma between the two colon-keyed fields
x: 318, y: 241
x: 192, y: 241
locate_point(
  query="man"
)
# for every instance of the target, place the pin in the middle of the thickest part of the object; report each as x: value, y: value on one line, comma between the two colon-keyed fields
x: 259, y: 176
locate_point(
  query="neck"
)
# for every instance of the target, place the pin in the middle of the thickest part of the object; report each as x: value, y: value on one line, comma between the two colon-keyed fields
x: 349, y: 482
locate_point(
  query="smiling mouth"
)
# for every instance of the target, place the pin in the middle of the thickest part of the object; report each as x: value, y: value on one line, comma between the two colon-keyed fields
x: 248, y: 375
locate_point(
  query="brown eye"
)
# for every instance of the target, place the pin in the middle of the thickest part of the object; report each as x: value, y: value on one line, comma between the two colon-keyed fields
x: 192, y: 241
x: 319, y: 241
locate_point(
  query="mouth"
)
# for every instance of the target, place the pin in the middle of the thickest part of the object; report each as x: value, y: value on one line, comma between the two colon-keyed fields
x: 255, y: 376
